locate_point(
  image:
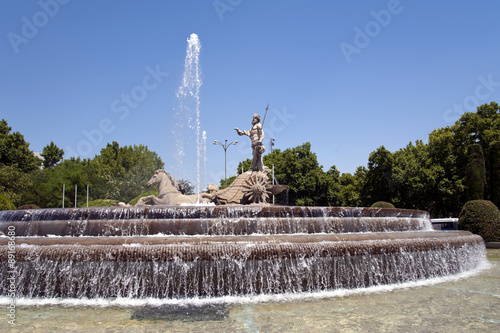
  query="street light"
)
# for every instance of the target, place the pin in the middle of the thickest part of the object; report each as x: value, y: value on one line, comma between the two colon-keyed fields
x: 225, y: 146
x: 271, y: 145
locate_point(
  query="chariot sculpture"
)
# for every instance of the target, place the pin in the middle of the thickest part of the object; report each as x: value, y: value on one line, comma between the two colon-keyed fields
x: 251, y: 187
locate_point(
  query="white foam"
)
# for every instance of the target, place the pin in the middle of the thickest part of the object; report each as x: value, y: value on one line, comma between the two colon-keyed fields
x: 203, y: 204
x: 251, y: 299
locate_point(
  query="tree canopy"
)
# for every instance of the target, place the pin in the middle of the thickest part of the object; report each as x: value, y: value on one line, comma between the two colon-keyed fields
x: 117, y: 173
x: 14, y: 150
x: 51, y: 155
x: 430, y: 176
x: 434, y: 176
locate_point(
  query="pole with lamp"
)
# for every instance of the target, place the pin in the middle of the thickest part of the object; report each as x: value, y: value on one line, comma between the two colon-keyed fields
x: 271, y: 144
x: 225, y: 145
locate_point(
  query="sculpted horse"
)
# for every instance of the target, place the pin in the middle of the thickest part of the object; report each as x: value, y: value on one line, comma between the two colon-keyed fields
x: 169, y: 193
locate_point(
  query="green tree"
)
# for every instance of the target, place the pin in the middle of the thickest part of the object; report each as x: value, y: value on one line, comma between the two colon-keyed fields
x: 475, y: 177
x: 414, y: 177
x: 118, y: 173
x: 351, y: 187
x: 71, y: 172
x: 186, y: 187
x: 449, y: 194
x: 447, y: 149
x: 14, y: 150
x: 378, y: 185
x: 495, y: 172
x: 6, y: 203
x: 51, y: 155
x: 245, y: 165
x: 13, y: 182
x: 37, y: 193
x: 481, y: 127
x: 333, y: 194
x: 299, y: 169
x: 224, y: 183
x: 123, y: 172
x: 46, y: 191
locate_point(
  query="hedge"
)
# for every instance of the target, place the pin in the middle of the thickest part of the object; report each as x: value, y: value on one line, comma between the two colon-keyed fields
x: 481, y: 217
x: 383, y: 204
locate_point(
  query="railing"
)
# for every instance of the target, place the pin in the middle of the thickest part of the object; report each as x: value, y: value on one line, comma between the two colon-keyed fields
x: 445, y: 224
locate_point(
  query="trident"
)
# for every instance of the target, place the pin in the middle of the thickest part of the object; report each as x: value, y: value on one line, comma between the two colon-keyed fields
x: 267, y: 107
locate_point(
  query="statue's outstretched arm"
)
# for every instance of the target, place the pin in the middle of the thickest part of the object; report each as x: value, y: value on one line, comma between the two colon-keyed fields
x: 240, y: 132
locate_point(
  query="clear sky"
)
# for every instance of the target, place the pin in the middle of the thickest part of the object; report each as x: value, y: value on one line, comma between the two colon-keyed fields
x: 346, y: 76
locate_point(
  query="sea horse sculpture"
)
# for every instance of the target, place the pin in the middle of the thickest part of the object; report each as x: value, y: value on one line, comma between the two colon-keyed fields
x: 169, y: 193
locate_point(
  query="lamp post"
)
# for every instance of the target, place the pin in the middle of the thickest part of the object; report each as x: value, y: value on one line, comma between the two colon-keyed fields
x: 271, y: 143
x: 225, y: 146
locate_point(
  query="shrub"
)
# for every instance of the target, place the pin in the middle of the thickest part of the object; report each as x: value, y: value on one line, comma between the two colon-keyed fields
x: 481, y: 217
x: 101, y: 203
x: 6, y: 203
x: 144, y: 194
x: 383, y: 204
x: 28, y: 206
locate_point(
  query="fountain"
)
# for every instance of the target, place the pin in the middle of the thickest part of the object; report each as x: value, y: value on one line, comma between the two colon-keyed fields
x: 210, y: 251
x: 242, y: 246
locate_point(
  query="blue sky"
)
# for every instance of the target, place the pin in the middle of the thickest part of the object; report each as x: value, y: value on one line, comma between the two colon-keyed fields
x: 347, y: 77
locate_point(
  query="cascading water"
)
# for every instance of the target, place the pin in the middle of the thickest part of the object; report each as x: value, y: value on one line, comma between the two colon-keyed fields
x: 206, y: 252
x: 188, y: 115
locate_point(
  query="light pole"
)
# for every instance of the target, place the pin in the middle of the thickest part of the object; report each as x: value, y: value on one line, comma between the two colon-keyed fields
x: 271, y: 143
x: 225, y: 146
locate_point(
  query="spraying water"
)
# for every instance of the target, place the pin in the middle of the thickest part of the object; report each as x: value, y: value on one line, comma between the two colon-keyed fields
x: 203, y: 157
x: 188, y: 114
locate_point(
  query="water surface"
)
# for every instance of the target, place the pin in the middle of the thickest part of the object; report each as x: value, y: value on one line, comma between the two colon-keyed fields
x: 464, y: 305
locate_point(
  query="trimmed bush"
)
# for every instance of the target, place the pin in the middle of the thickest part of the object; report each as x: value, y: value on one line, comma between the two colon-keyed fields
x: 101, y: 203
x: 6, y: 203
x: 383, y: 204
x: 481, y: 217
x: 145, y: 194
x: 28, y: 206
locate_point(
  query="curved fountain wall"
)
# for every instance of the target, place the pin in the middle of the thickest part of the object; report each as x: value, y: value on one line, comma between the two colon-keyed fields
x: 183, y: 252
